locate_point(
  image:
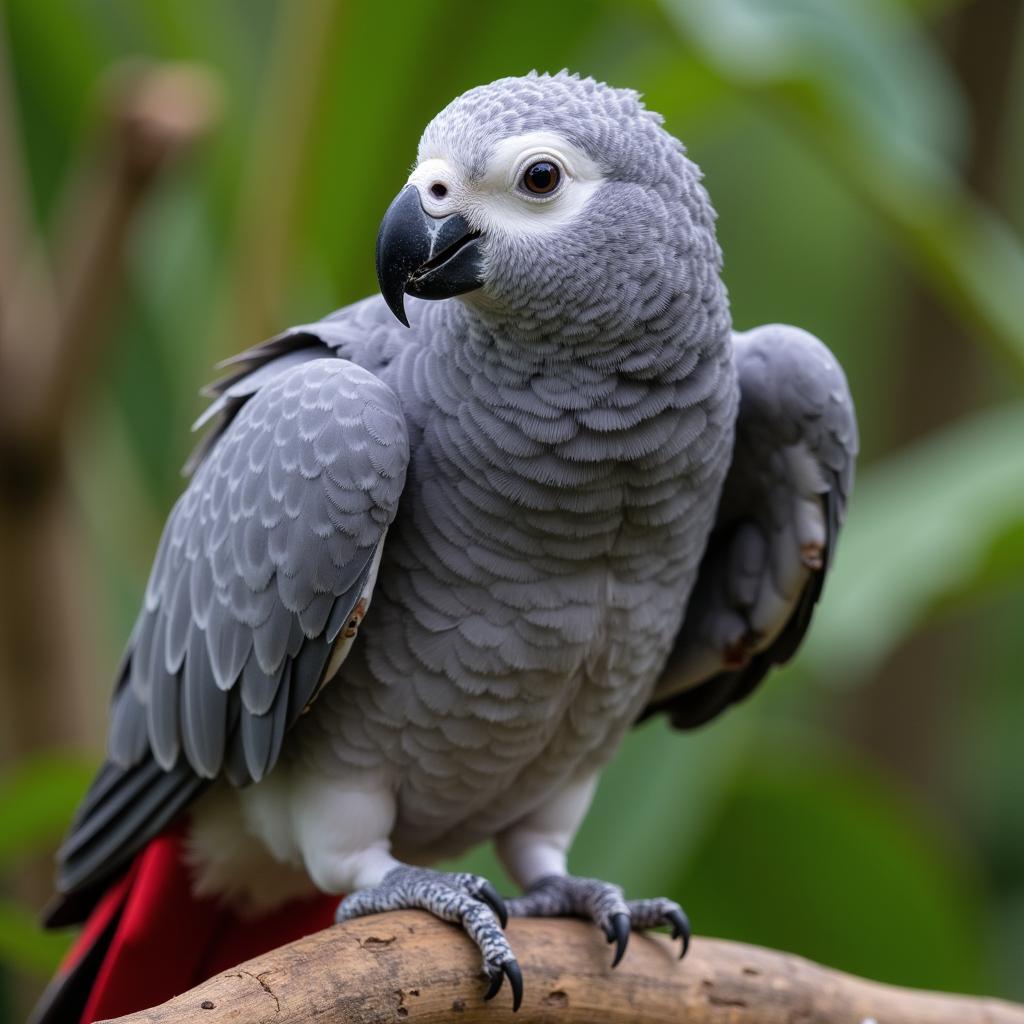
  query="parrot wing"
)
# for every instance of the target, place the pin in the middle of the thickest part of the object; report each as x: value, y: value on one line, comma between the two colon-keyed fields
x: 364, y: 332
x: 266, y: 565
x: 782, y: 506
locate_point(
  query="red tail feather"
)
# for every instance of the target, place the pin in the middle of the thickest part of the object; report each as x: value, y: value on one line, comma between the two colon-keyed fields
x: 162, y: 940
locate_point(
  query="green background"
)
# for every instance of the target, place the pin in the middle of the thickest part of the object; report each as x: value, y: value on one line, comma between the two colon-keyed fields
x: 866, y: 808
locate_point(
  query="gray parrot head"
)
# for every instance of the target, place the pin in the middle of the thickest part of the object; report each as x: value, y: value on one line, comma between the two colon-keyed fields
x: 555, y: 205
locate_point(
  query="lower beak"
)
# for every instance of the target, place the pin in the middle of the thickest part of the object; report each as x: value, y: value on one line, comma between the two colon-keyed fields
x: 429, y: 257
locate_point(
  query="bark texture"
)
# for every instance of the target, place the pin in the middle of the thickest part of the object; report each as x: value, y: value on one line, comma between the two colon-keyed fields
x: 408, y: 966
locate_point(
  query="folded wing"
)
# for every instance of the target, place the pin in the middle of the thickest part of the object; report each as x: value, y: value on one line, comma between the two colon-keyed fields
x: 266, y: 564
x: 782, y: 506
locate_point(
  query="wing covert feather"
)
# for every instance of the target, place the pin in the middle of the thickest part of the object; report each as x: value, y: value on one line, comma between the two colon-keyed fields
x: 280, y: 522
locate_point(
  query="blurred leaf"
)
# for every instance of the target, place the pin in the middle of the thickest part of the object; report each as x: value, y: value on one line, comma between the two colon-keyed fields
x: 929, y: 8
x: 867, y: 61
x: 925, y: 527
x: 988, y: 782
x: 36, y: 803
x: 57, y: 101
x: 865, y: 89
x: 817, y: 855
x: 1010, y: 942
x: 25, y: 946
x: 655, y: 802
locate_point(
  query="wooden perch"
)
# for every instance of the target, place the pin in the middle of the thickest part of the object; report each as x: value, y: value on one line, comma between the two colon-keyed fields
x: 408, y: 966
x: 149, y: 115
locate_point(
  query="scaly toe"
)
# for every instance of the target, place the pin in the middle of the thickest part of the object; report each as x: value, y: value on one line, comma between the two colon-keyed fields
x: 493, y: 899
x: 604, y: 904
x: 654, y: 913
x: 465, y: 899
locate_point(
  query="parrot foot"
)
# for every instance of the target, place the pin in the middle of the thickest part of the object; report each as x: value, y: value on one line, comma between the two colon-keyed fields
x: 605, y: 905
x: 462, y: 898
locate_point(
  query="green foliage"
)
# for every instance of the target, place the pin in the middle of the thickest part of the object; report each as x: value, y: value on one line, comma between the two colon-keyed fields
x: 36, y: 803
x: 864, y: 84
x: 804, y: 833
x: 25, y: 946
x: 933, y: 525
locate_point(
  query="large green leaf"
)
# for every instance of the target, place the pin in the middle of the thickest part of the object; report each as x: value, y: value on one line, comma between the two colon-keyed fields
x: 864, y: 87
x: 867, y: 61
x: 927, y: 526
x: 816, y: 854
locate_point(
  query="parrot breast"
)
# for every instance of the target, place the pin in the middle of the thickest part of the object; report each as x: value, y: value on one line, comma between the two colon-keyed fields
x: 532, y: 583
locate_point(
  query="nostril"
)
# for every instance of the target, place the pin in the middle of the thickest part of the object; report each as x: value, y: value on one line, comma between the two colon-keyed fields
x: 438, y: 190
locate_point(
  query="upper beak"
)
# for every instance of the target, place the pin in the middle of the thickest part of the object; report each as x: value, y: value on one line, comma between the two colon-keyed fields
x: 430, y: 257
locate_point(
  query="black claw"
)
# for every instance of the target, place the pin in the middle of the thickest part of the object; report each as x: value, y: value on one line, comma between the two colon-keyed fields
x: 496, y: 979
x: 515, y: 979
x: 619, y: 926
x: 680, y: 928
x: 491, y: 897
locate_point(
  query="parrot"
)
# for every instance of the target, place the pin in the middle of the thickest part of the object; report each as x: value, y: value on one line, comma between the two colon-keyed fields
x: 441, y: 550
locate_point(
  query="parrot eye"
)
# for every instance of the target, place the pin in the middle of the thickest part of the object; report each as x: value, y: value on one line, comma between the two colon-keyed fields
x: 542, y: 178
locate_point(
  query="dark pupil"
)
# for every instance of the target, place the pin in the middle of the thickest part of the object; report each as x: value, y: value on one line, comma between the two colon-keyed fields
x: 542, y: 177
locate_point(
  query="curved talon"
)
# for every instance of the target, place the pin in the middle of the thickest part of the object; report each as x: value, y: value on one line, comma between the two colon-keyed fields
x: 620, y: 928
x: 680, y: 928
x: 515, y: 979
x: 496, y: 980
x: 493, y: 899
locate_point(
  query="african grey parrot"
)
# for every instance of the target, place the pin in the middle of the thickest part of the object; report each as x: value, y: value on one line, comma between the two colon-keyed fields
x: 573, y: 495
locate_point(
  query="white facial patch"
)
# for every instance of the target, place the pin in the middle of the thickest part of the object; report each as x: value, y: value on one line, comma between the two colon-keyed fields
x: 498, y: 203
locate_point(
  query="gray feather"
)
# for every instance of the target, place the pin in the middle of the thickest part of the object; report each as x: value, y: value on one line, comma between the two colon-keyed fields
x: 203, y: 711
x: 259, y: 688
x: 262, y: 735
x: 127, y: 741
x: 794, y: 398
x: 248, y: 579
x: 164, y: 718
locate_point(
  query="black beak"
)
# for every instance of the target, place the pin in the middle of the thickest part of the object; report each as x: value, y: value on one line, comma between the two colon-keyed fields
x: 429, y: 257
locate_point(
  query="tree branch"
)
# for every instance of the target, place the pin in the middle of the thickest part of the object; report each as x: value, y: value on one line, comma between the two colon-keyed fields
x: 23, y: 259
x: 51, y: 343
x: 154, y: 113
x: 410, y: 966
